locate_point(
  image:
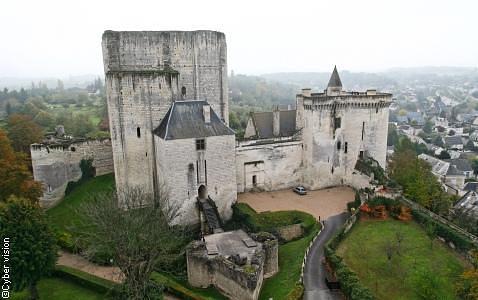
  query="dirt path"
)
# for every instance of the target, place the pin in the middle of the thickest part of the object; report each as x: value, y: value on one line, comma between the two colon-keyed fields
x: 77, y: 262
x: 107, y: 272
x: 320, y: 203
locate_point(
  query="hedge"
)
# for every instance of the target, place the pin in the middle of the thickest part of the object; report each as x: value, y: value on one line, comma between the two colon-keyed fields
x: 349, y: 281
x: 449, y: 234
x: 86, y: 280
x: 245, y: 217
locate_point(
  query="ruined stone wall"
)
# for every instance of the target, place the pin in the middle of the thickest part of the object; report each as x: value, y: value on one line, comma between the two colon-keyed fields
x: 179, y: 164
x: 55, y: 166
x: 330, y: 155
x: 276, y: 165
x: 290, y: 232
x: 145, y: 72
x: 230, y: 280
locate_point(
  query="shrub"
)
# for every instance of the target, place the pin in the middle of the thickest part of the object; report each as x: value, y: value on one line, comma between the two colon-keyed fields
x: 87, y: 172
x: 246, y: 218
x: 89, y: 281
x: 297, y: 292
x: 460, y: 241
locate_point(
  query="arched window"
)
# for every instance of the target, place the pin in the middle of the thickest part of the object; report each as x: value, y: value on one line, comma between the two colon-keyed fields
x: 138, y: 132
x: 183, y: 91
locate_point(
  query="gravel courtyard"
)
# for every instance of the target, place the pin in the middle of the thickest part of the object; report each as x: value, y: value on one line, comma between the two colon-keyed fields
x: 323, y: 203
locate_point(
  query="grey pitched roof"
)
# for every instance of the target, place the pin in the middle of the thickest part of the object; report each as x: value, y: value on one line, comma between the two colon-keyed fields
x: 334, y: 80
x: 461, y: 164
x: 184, y: 120
x: 468, y: 203
x: 453, y: 171
x: 471, y: 186
x: 263, y: 122
x: 453, y: 140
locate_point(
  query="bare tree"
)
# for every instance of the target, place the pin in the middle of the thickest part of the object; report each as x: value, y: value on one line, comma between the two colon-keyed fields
x: 138, y: 232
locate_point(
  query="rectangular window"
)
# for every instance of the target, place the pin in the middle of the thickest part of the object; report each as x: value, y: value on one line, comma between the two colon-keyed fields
x: 200, y: 144
x: 346, y: 145
x: 337, y: 123
x: 254, y: 180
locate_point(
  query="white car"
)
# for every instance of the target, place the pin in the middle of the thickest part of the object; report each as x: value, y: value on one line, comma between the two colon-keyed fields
x: 300, y: 190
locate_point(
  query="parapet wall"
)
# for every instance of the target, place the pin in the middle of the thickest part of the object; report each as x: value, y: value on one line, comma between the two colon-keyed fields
x: 56, y: 165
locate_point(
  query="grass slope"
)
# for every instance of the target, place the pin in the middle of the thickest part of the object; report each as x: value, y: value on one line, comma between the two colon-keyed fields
x: 54, y: 288
x: 364, y: 251
x: 63, y: 215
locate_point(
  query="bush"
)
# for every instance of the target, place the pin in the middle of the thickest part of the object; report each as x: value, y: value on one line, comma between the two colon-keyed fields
x: 297, y: 293
x: 460, y: 241
x: 246, y: 218
x: 356, y: 203
x: 89, y: 281
x: 349, y: 281
x: 87, y: 172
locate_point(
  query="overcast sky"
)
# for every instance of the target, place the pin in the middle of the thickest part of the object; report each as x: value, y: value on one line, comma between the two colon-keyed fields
x: 62, y: 38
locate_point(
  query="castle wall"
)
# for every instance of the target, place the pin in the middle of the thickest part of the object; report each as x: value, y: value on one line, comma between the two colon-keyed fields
x: 330, y: 155
x: 183, y: 169
x: 145, y: 73
x: 276, y: 165
x: 55, y: 166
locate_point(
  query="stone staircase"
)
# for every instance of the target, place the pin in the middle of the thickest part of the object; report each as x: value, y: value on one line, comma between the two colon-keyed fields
x: 211, y: 215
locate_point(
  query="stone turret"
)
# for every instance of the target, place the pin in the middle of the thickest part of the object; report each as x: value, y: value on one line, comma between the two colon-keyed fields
x: 335, y: 84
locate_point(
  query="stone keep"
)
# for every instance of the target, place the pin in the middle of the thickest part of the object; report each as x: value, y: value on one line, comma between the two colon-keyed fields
x: 147, y: 71
x: 338, y: 128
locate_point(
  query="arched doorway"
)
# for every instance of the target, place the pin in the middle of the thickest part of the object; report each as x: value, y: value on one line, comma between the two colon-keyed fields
x: 202, y: 192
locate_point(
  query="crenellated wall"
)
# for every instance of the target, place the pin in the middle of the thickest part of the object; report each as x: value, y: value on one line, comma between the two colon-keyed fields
x: 56, y: 165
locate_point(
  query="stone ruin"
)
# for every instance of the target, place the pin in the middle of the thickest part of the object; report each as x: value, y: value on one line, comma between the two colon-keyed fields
x: 233, y: 262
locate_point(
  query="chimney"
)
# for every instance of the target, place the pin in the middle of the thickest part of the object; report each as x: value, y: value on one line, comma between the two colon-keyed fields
x: 276, y: 121
x: 206, y: 111
x: 306, y: 92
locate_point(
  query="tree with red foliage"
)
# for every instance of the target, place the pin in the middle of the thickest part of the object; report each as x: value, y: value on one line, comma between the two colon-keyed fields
x: 15, y: 178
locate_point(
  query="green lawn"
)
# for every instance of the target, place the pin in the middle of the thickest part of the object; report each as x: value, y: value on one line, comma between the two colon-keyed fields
x: 291, y: 256
x: 54, y: 288
x: 415, y: 266
x: 63, y: 215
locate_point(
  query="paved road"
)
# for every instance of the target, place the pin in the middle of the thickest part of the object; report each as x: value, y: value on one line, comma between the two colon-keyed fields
x: 314, y: 273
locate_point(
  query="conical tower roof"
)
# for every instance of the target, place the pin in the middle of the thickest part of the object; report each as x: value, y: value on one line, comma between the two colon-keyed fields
x: 335, y: 79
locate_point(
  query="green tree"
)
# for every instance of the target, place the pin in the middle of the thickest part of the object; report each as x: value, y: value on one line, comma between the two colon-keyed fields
x: 45, y: 119
x: 33, y: 245
x: 23, y: 132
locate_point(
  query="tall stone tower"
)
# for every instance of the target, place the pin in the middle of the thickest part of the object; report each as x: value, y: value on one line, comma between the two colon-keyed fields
x: 145, y: 73
x: 338, y: 128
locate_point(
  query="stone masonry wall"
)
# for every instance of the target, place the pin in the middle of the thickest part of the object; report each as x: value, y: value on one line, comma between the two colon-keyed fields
x: 326, y: 164
x: 145, y: 73
x: 55, y: 166
x: 275, y: 165
x: 179, y: 164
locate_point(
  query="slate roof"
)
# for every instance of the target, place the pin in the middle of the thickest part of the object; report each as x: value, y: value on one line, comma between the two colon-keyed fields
x: 453, y: 171
x: 439, y: 167
x: 468, y: 203
x: 263, y: 123
x: 471, y: 186
x: 461, y: 164
x: 185, y: 120
x: 453, y: 140
x: 334, y: 80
